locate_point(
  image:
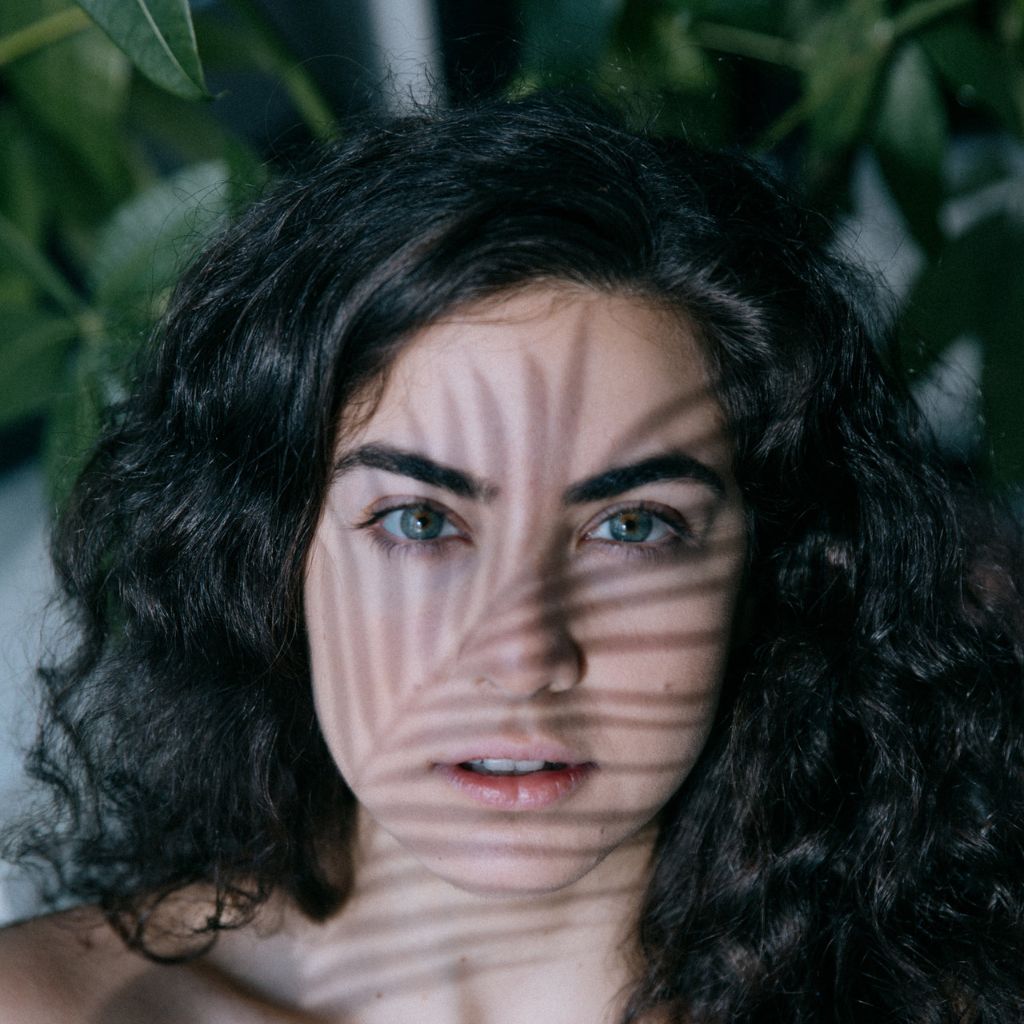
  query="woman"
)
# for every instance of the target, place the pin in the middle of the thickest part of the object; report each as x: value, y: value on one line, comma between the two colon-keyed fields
x: 518, y: 588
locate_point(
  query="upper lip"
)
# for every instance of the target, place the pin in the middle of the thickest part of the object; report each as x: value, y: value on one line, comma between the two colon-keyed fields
x: 511, y: 750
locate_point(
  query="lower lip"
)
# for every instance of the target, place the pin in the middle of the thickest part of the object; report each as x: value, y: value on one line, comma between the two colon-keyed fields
x: 517, y: 792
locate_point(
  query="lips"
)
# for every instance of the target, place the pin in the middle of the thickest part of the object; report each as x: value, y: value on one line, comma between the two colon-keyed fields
x: 508, y: 766
x: 503, y: 748
x: 512, y: 776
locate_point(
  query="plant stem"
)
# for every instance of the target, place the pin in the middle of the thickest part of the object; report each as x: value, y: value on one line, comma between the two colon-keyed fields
x: 920, y: 14
x: 745, y: 43
x: 309, y: 101
x: 787, y: 122
x: 804, y: 108
x: 903, y: 24
x: 22, y: 253
x: 42, y: 33
x: 298, y: 83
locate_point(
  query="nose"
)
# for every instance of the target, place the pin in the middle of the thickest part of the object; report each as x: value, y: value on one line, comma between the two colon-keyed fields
x: 529, y: 649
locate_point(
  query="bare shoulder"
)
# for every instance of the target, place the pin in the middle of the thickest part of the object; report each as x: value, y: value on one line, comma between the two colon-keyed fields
x: 64, y: 967
x: 72, y: 968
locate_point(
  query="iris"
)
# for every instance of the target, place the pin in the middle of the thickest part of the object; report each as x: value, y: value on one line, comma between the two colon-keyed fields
x: 634, y: 525
x: 419, y: 522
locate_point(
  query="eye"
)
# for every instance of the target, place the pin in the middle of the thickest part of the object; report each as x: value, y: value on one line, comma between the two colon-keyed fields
x: 416, y: 523
x: 641, y: 526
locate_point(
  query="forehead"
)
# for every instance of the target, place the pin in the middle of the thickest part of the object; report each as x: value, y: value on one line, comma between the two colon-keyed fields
x: 552, y: 369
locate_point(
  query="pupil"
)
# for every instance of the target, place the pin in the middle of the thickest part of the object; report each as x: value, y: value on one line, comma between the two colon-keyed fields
x: 631, y: 526
x: 421, y: 523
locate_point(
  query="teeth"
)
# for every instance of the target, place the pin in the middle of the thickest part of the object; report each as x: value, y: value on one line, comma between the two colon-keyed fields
x: 506, y: 766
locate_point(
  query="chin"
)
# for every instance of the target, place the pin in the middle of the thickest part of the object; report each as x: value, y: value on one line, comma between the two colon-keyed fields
x: 502, y: 876
x: 504, y: 856
x: 523, y: 863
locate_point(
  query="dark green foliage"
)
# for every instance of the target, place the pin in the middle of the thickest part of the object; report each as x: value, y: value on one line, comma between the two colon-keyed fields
x: 106, y: 125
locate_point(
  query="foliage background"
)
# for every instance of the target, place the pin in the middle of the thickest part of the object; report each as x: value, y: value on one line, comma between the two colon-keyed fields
x: 116, y: 159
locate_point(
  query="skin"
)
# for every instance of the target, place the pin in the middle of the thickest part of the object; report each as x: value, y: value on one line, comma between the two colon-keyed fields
x: 541, y: 612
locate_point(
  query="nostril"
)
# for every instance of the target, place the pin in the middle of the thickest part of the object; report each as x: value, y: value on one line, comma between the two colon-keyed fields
x: 524, y: 669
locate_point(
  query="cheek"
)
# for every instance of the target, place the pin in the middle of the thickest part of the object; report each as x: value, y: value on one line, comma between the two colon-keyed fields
x: 375, y: 636
x: 665, y: 628
x: 659, y: 704
x: 657, y: 646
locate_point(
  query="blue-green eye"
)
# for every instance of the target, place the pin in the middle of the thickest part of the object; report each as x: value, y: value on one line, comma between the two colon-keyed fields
x: 633, y: 526
x: 417, y: 523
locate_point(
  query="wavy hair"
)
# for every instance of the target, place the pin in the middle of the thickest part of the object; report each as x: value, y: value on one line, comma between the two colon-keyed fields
x: 850, y: 845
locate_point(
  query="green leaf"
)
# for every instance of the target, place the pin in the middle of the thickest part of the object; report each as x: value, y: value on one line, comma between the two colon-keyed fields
x: 32, y: 358
x: 989, y: 160
x: 19, y: 254
x: 910, y: 136
x: 74, y: 90
x: 194, y: 136
x: 158, y: 37
x: 975, y: 69
x: 231, y: 44
x: 671, y: 81
x: 248, y: 41
x: 15, y: 289
x: 976, y: 287
x: 754, y: 15
x: 23, y: 198
x: 655, y: 48
x: 39, y: 34
x: 142, y: 249
x: 849, y: 47
x: 72, y: 429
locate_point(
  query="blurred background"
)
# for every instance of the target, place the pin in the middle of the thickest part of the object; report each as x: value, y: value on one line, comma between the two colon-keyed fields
x: 130, y: 131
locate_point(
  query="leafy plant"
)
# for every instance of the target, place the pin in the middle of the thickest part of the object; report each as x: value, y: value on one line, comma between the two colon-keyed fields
x: 113, y: 167
x: 112, y: 171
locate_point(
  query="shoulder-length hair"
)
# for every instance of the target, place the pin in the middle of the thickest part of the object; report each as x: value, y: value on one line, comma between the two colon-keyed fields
x: 850, y: 844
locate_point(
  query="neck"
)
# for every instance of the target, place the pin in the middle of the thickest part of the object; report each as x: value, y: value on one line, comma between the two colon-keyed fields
x: 408, y: 944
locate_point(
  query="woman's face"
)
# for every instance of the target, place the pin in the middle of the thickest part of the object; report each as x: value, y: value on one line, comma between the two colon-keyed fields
x: 520, y: 593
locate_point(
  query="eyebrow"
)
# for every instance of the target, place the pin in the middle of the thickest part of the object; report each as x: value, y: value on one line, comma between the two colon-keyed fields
x: 619, y: 479
x: 417, y: 466
x: 601, y: 486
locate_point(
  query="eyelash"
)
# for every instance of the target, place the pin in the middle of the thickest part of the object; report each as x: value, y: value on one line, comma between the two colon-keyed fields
x: 682, y: 535
x: 390, y: 545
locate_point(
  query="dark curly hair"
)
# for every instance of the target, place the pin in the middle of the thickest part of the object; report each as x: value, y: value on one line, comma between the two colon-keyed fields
x: 850, y: 846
